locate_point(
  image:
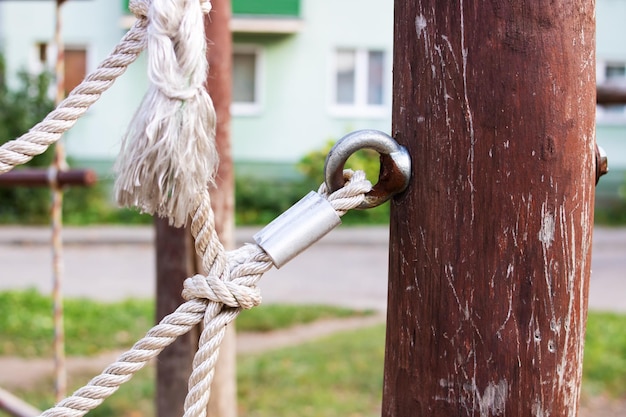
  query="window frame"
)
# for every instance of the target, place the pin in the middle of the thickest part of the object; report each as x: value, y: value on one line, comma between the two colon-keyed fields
x: 360, y: 108
x: 253, y: 108
x: 36, y: 65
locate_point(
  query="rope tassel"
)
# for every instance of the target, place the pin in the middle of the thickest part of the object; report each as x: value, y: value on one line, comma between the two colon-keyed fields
x: 168, y: 154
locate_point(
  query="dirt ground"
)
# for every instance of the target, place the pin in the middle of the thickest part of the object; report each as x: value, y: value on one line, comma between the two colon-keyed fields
x: 19, y: 373
x: 602, y: 407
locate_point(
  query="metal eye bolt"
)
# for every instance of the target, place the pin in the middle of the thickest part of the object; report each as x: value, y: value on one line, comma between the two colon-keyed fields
x: 395, y: 165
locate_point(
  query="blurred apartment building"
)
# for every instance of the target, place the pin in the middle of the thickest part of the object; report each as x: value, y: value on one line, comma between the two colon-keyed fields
x: 304, y: 72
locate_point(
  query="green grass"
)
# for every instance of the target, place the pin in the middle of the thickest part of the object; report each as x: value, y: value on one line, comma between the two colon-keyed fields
x: 280, y: 316
x: 337, y: 375
x: 26, y: 325
x: 133, y: 399
x: 604, y: 366
x: 342, y: 375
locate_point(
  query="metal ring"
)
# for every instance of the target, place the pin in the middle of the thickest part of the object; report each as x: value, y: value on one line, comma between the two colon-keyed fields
x: 602, y: 163
x: 395, y: 165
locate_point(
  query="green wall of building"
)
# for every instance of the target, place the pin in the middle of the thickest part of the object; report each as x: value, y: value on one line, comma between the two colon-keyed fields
x: 257, y: 7
x: 267, y: 7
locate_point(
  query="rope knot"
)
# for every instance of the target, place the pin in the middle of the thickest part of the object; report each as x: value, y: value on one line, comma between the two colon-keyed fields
x: 140, y: 7
x: 229, y: 293
x: 168, y: 154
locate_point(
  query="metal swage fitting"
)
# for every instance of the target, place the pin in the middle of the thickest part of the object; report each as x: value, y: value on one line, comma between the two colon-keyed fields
x: 313, y: 217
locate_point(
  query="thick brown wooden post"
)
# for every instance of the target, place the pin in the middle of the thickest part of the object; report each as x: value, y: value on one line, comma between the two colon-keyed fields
x: 491, y: 243
x: 176, y: 259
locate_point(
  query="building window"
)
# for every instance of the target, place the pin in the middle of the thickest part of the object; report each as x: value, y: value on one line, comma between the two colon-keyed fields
x: 615, y: 72
x: 611, y: 73
x: 346, y: 78
x: 246, y: 80
x: 75, y: 68
x: 375, y: 78
x: 42, y: 52
x: 359, y: 82
x: 75, y: 63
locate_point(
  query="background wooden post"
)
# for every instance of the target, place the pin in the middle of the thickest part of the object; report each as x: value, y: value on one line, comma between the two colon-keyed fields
x: 175, y: 262
x: 491, y: 244
x: 56, y: 220
x: 176, y: 259
x: 223, y: 401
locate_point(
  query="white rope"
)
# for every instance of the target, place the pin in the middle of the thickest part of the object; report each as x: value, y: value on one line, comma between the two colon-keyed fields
x: 230, y: 281
x: 168, y: 155
x: 39, y: 138
x: 215, y: 299
x: 244, y: 268
x: 351, y: 194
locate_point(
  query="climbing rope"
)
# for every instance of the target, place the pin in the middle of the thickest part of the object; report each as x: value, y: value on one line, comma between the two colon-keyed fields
x: 39, y: 138
x: 167, y: 162
x: 216, y: 299
x: 168, y: 155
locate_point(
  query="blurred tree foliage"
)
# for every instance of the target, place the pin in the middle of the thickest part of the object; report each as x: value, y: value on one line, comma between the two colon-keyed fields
x: 258, y: 200
x: 312, y: 164
x: 19, y: 111
x: 367, y: 160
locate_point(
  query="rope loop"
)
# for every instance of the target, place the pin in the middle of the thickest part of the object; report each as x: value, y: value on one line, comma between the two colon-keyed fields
x: 223, y: 290
x: 215, y: 300
x: 351, y: 195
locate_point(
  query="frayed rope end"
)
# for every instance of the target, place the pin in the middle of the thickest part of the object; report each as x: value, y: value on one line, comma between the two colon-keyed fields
x: 168, y: 157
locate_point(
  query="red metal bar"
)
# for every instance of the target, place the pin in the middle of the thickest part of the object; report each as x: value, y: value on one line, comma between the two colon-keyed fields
x: 42, y: 178
x: 611, y: 94
x: 491, y: 244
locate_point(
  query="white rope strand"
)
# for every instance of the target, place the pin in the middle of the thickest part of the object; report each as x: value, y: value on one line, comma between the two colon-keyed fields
x: 214, y: 303
x: 158, y: 338
x: 245, y: 268
x: 39, y: 138
x: 230, y: 283
x: 351, y: 195
x: 168, y: 154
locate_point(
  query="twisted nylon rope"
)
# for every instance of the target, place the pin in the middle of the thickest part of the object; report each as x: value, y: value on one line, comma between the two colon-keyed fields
x: 41, y: 136
x: 215, y: 299
x: 168, y: 154
x: 233, y: 283
x: 64, y: 116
